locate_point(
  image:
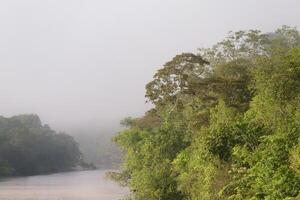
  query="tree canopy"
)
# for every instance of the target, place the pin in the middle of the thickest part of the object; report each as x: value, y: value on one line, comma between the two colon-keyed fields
x: 225, y: 123
x: 28, y: 147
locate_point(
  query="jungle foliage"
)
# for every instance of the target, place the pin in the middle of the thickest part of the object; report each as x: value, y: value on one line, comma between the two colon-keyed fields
x: 225, y: 123
x: 27, y: 147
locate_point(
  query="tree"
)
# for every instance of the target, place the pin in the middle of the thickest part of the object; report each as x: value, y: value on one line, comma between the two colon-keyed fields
x: 225, y: 123
x: 27, y: 147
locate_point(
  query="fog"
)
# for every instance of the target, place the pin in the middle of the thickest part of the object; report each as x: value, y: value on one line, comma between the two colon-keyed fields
x: 79, y: 63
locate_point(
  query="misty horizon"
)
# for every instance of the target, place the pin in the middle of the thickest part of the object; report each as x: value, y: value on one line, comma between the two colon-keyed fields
x: 131, y: 99
x: 86, y: 63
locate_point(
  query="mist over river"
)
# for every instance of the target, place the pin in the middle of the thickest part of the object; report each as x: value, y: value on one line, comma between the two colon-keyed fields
x: 79, y: 185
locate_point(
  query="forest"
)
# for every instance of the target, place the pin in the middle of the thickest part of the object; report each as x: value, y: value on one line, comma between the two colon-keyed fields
x: 225, y: 123
x: 27, y: 147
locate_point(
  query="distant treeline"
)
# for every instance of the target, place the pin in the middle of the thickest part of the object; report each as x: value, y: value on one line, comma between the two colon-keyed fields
x: 97, y: 148
x: 225, y: 123
x: 27, y: 147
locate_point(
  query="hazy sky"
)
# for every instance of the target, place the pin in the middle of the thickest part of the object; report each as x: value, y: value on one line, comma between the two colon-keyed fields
x: 78, y: 62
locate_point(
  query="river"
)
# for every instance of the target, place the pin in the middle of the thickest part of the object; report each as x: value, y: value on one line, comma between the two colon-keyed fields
x: 79, y: 185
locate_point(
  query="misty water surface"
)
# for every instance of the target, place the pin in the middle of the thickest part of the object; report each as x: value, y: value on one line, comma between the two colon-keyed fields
x: 83, y: 185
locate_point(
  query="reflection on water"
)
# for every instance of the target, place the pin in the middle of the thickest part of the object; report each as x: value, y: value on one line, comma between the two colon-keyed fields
x: 84, y: 185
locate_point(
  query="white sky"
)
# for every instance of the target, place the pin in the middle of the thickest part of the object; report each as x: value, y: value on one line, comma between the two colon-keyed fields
x: 79, y: 62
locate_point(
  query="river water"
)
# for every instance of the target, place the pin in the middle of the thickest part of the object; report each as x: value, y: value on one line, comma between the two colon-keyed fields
x: 82, y: 185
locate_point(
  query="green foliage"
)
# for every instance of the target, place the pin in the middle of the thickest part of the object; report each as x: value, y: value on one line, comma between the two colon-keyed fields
x: 27, y: 147
x: 197, y: 171
x: 224, y: 129
x: 149, y: 156
x: 295, y: 159
x: 176, y: 77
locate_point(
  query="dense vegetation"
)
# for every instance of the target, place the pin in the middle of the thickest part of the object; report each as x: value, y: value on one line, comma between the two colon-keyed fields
x: 226, y: 123
x: 27, y: 147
